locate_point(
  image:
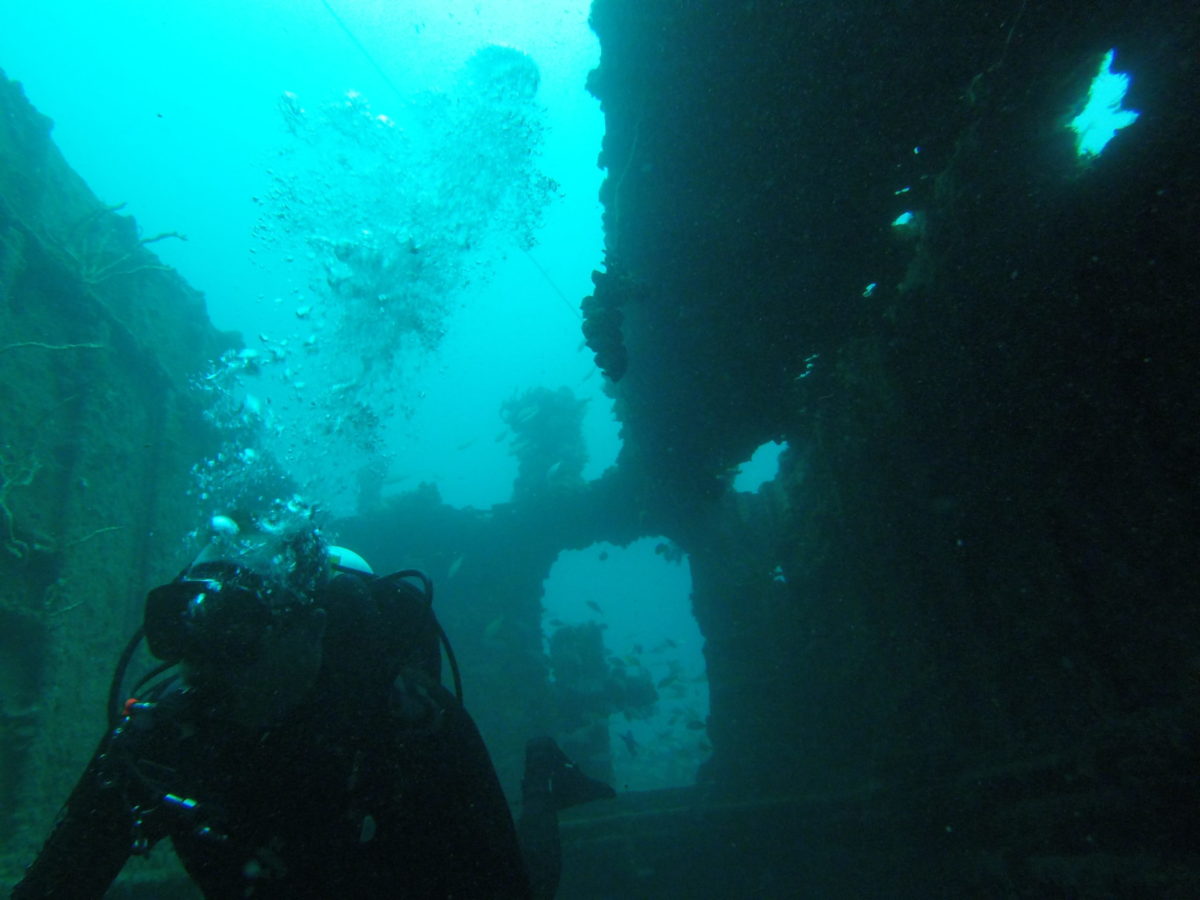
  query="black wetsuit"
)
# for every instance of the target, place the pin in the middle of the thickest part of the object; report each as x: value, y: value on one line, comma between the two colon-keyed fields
x: 345, y: 798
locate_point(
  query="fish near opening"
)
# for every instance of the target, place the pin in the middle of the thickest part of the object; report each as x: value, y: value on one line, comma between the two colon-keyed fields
x: 627, y: 665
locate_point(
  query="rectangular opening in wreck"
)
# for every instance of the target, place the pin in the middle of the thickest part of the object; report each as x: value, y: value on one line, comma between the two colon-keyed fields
x: 627, y: 664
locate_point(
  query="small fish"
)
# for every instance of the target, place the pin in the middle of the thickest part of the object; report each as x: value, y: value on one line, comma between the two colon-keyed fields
x: 493, y: 628
x: 455, y: 566
x: 669, y: 680
x: 556, y: 623
x: 596, y: 606
x: 696, y: 725
x: 631, y: 743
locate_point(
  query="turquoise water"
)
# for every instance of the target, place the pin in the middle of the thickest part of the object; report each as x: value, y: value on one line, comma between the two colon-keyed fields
x: 396, y: 207
x: 174, y: 110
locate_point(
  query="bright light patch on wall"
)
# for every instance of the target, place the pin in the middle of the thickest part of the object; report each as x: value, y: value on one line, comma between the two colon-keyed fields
x: 1102, y: 116
x: 762, y: 467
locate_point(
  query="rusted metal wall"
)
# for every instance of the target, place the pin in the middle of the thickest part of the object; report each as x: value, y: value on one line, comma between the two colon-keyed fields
x: 98, y: 431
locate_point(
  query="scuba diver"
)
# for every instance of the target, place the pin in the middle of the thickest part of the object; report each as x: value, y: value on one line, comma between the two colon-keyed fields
x: 297, y: 741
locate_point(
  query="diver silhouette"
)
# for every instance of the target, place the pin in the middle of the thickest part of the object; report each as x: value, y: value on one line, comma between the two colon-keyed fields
x: 298, y: 742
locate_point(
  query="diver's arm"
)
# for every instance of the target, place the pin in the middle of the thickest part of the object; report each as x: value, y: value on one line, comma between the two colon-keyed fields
x: 90, y: 842
x: 456, y: 805
x: 552, y: 782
